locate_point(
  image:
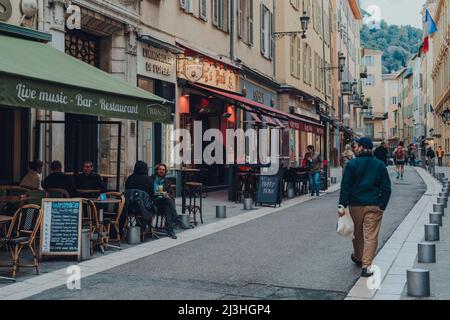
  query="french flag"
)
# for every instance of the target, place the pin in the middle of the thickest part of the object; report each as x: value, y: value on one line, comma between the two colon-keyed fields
x: 430, y: 28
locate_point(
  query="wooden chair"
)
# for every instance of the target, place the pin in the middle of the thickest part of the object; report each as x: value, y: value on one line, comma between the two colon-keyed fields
x: 113, y: 220
x: 22, y: 233
x: 57, y: 193
x: 90, y: 221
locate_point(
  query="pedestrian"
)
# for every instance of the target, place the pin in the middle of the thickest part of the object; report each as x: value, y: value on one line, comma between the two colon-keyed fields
x: 412, y: 155
x: 89, y: 180
x: 32, y: 180
x: 314, y: 165
x: 400, y: 158
x: 347, y: 155
x: 365, y: 190
x: 58, y: 180
x: 431, y: 160
x: 440, y: 155
x: 381, y: 153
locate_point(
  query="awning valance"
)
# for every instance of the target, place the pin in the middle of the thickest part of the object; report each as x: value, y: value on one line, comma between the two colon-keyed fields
x: 33, y: 74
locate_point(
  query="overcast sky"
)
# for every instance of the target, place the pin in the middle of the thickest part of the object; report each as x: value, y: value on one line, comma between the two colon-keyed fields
x: 399, y: 12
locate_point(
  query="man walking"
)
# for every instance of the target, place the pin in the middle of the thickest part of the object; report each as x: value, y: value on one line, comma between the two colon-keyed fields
x: 314, y: 164
x: 400, y: 159
x: 431, y: 156
x: 366, y: 190
x: 440, y: 155
x: 381, y: 153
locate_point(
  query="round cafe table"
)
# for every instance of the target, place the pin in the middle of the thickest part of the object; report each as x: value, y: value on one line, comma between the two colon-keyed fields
x: 100, y: 204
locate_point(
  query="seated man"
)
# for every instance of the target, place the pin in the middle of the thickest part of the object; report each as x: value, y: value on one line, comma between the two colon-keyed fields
x: 58, y: 180
x: 163, y: 197
x: 88, y: 180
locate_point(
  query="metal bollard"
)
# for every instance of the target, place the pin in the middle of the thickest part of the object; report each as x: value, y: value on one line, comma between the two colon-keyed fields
x: 134, y: 235
x: 418, y: 282
x: 436, y: 218
x: 184, y: 219
x: 446, y: 190
x: 248, y: 204
x: 221, y: 212
x: 85, y: 245
x: 441, y: 177
x: 439, y: 208
x: 431, y: 232
x: 426, y: 253
x: 442, y: 201
x: 291, y: 193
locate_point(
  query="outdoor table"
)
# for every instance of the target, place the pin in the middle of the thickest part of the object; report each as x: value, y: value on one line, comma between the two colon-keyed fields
x: 88, y: 193
x: 3, y: 221
x: 10, y: 199
x: 183, y: 189
x: 100, y: 204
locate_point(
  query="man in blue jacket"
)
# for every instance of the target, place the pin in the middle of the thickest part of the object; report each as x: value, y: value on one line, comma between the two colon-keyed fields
x: 365, y: 189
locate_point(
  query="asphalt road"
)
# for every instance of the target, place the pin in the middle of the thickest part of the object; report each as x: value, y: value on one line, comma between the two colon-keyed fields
x: 291, y: 254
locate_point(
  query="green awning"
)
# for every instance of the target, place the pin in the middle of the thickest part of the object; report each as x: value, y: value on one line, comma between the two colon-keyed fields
x: 33, y: 74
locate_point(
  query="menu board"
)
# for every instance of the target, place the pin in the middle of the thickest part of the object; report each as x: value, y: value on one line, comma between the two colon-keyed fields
x: 268, y: 190
x: 61, y: 227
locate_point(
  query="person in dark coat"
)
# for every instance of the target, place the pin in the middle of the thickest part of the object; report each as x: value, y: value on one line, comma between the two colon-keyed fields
x: 365, y: 190
x: 88, y: 180
x: 140, y: 179
x: 381, y: 153
x: 58, y: 180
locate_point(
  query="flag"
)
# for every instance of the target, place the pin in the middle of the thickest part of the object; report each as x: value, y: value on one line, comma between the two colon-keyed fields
x: 429, y: 29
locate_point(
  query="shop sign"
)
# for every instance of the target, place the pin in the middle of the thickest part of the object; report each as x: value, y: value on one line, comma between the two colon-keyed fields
x: 207, y: 73
x: 258, y: 93
x: 306, y: 127
x: 36, y: 94
x: 156, y: 63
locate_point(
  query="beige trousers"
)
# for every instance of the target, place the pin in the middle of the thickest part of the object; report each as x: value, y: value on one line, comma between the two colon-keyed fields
x: 367, y: 222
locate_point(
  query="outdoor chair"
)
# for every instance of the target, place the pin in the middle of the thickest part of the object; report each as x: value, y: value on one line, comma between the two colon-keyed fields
x: 90, y: 221
x: 22, y: 233
x: 114, y: 220
x: 57, y: 193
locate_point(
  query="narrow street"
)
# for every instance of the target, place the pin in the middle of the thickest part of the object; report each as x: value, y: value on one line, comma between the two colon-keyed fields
x: 291, y: 254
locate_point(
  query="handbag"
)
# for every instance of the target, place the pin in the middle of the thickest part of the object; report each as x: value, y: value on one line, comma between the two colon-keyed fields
x: 345, y: 226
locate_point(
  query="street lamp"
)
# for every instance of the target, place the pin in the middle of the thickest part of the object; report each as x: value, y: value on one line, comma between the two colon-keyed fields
x: 446, y: 115
x: 341, y: 64
x: 304, y: 22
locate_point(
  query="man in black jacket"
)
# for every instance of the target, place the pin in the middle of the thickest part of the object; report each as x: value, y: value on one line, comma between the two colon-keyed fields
x: 366, y: 190
x: 58, y: 180
x: 381, y: 153
x: 88, y: 180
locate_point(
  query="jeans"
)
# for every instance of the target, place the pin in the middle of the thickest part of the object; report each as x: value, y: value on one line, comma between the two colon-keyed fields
x: 314, y: 182
x: 166, y: 207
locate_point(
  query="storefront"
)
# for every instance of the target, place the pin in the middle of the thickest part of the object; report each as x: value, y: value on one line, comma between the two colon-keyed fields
x: 156, y: 74
x: 34, y: 76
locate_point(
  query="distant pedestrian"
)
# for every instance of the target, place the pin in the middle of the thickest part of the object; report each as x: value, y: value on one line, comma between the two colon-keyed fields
x: 412, y: 155
x: 400, y: 154
x: 347, y: 155
x: 314, y: 165
x: 431, y: 160
x: 366, y: 190
x: 32, y: 180
x: 381, y: 153
x: 440, y: 155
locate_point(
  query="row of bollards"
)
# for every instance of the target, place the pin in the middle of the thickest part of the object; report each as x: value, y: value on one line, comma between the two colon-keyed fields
x: 418, y: 280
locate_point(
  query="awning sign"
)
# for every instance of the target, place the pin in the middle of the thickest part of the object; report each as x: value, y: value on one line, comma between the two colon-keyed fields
x: 306, y: 127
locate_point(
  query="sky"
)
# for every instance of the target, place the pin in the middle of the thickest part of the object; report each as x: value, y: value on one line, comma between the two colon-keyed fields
x: 399, y: 12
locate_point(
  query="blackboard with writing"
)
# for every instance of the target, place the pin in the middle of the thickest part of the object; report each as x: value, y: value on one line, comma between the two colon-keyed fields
x: 61, y: 227
x: 268, y: 190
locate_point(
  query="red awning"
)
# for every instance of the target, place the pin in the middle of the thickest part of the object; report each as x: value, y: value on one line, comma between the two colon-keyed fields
x: 259, y: 106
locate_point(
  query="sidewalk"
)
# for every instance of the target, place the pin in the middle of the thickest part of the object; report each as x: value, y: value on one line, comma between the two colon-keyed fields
x: 400, y: 253
x: 53, y: 273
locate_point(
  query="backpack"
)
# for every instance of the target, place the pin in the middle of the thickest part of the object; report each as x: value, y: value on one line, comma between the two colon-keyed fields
x: 400, y: 154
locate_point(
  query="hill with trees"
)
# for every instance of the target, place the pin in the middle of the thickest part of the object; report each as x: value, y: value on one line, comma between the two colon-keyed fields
x: 398, y: 43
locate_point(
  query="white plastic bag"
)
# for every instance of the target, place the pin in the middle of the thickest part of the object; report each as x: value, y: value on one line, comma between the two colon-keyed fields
x: 345, y: 226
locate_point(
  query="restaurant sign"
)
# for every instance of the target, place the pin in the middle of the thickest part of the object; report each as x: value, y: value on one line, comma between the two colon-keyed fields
x: 20, y: 92
x: 306, y: 127
x: 207, y: 73
x: 156, y: 63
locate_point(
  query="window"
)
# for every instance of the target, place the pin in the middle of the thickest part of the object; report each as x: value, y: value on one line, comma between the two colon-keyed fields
x: 307, y: 64
x: 250, y: 23
x: 293, y: 51
x: 220, y: 14
x: 369, y: 61
x: 187, y: 6
x: 295, y: 57
x: 203, y: 10
x: 299, y: 55
x: 370, y: 81
x: 295, y: 4
x: 267, y: 41
x: 316, y: 71
x: 394, y: 100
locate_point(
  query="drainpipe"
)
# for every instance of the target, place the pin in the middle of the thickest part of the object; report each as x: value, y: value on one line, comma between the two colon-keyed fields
x: 274, y: 8
x: 231, y: 13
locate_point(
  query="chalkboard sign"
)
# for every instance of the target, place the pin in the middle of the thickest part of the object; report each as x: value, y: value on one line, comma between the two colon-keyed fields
x: 61, y: 227
x: 268, y: 190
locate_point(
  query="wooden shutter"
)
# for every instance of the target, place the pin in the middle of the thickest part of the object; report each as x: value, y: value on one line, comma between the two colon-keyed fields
x: 261, y: 27
x: 215, y: 12
x: 239, y: 18
x: 203, y: 10
x: 250, y: 22
x: 292, y: 55
x: 299, y: 55
x: 271, y: 39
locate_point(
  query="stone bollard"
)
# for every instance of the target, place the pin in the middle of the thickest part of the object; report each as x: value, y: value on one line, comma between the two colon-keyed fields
x: 221, y: 212
x: 442, y: 201
x: 418, y: 282
x: 291, y: 193
x: 134, y: 235
x: 248, y: 204
x: 439, y: 208
x: 426, y: 253
x: 184, y: 219
x: 431, y: 232
x: 85, y: 245
x: 436, y: 218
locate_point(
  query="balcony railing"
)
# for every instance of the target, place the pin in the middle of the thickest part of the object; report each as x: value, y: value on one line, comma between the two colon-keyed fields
x: 375, y: 115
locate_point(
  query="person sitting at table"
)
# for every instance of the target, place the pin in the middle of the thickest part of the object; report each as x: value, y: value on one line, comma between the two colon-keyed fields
x: 58, y: 180
x: 32, y: 180
x: 88, y: 180
x: 163, y: 196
